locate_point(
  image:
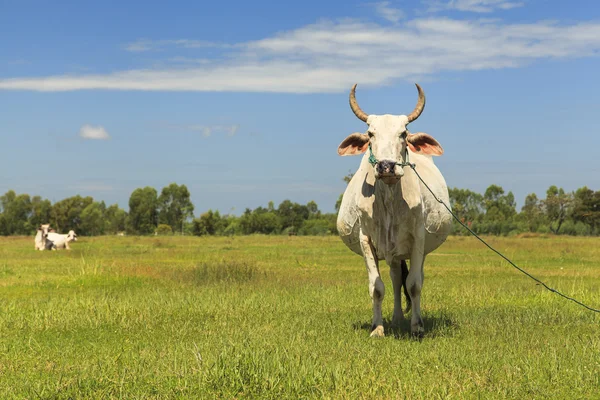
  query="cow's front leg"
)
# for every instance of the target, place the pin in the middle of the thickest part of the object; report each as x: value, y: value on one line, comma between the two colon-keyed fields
x: 414, y: 284
x: 376, y: 287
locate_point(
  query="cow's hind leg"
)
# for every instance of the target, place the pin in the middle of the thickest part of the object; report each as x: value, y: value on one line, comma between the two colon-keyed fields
x: 376, y: 287
x: 414, y: 284
x: 399, y: 273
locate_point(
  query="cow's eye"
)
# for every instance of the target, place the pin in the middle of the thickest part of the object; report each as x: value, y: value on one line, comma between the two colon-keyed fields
x: 370, y: 134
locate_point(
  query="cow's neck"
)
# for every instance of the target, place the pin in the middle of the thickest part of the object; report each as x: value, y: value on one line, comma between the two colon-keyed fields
x: 407, y: 190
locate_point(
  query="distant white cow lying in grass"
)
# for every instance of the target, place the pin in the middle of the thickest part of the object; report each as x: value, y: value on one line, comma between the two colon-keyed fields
x: 41, y: 236
x: 61, y: 241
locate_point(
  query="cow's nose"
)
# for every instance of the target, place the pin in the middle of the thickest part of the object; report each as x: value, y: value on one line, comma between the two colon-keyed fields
x: 386, y: 167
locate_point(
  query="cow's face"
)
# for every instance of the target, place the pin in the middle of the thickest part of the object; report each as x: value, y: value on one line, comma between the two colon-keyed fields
x: 388, y: 140
x: 72, y: 236
x: 45, y: 228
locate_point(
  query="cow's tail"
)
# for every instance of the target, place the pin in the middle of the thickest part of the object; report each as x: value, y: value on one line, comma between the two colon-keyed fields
x: 404, y: 269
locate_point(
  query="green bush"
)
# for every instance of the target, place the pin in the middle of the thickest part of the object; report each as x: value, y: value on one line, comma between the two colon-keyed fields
x: 164, y: 230
x: 315, y: 227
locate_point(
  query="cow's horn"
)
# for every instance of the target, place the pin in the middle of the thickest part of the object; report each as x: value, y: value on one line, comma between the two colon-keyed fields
x: 355, y: 108
x: 419, y: 107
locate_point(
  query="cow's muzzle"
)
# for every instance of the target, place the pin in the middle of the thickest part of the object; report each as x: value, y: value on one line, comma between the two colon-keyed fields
x: 388, y: 171
x: 386, y: 167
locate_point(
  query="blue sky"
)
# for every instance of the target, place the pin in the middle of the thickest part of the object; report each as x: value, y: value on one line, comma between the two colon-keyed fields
x: 246, y: 102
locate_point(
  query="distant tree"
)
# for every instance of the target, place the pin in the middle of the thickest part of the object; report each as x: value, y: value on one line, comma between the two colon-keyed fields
x: 532, y: 213
x: 6, y: 200
x: 143, y: 215
x: 231, y: 225
x: 267, y: 223
x: 586, y: 208
x: 292, y: 215
x: 313, y: 210
x: 498, y: 206
x: 92, y: 220
x: 331, y: 219
x: 115, y: 219
x: 261, y: 220
x: 557, y: 206
x: 16, y: 211
x: 175, y: 206
x: 66, y: 214
x: 467, y: 205
x: 3, y: 226
x: 41, y: 211
x: 209, y: 223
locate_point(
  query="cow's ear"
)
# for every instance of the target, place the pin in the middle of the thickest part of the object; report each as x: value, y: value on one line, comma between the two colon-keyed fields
x: 422, y: 143
x: 354, y: 144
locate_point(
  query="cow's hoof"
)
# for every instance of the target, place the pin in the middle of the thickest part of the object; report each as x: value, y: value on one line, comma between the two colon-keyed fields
x: 417, y: 329
x: 417, y: 332
x: 378, y: 332
x: 397, y: 321
x: 418, y: 335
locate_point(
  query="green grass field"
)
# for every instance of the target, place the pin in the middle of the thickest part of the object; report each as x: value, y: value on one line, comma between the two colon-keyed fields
x: 289, y: 317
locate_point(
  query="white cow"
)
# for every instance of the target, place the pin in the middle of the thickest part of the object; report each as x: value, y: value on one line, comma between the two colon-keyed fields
x: 61, y: 241
x: 387, y: 213
x: 41, y: 236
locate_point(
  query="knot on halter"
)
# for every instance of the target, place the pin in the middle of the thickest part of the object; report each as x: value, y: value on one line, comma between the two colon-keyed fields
x: 373, y: 161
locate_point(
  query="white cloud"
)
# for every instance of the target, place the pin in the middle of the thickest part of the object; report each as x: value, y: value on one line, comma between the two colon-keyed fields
x: 93, y: 132
x: 387, y: 12
x: 143, y: 45
x: 478, y: 6
x: 330, y: 56
x: 208, y: 130
x: 188, y: 60
x: 139, y: 46
x: 232, y: 130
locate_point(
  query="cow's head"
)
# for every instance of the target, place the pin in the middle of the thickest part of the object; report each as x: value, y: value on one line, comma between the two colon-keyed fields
x: 44, y: 228
x: 388, y: 139
x: 72, y: 236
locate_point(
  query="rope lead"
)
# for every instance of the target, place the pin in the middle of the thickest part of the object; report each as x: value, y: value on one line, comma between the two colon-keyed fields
x: 496, y: 251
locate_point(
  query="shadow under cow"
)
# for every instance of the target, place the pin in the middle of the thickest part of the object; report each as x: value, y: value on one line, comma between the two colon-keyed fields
x: 436, y: 325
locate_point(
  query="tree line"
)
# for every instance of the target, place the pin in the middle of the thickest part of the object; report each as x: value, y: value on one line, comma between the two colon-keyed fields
x: 560, y: 212
x: 172, y: 212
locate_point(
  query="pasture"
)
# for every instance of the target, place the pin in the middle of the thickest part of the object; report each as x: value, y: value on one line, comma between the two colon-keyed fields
x: 289, y: 317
